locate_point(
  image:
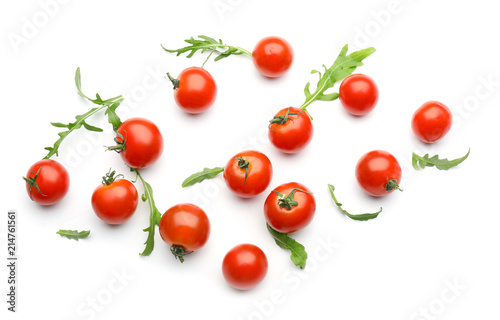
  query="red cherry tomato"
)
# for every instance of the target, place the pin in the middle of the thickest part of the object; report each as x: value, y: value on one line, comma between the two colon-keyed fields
x: 186, y: 228
x: 115, y: 200
x: 358, y: 94
x: 244, y: 266
x: 248, y: 173
x: 290, y: 130
x: 47, y: 182
x: 194, y: 90
x: 378, y: 173
x: 143, y: 143
x: 290, y: 207
x: 272, y: 56
x: 431, y: 121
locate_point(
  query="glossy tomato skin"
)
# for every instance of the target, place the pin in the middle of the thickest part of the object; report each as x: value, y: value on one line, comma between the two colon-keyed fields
x: 375, y: 169
x: 116, y: 202
x: 296, y: 218
x: 293, y: 135
x: 244, y: 266
x: 185, y: 225
x: 358, y: 94
x: 431, y: 121
x: 52, y: 180
x: 272, y: 56
x: 196, y: 91
x: 260, y: 173
x: 143, y: 142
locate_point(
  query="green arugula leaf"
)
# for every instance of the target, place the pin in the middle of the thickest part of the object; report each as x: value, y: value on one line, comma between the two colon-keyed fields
x: 204, y: 44
x: 298, y: 253
x: 358, y: 217
x: 74, y: 234
x: 198, y: 177
x: 434, y: 161
x: 154, y: 215
x: 110, y: 105
x: 343, y: 66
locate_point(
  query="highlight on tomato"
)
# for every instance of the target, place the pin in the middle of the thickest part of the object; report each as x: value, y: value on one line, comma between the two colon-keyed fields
x: 244, y: 266
x: 290, y: 207
x: 246, y: 174
x: 47, y: 182
x: 358, y: 94
x: 139, y: 142
x: 194, y: 90
x: 185, y: 228
x: 431, y: 122
x: 115, y: 200
x: 378, y: 173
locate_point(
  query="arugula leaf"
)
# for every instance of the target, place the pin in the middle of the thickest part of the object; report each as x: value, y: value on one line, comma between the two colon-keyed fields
x: 198, y: 177
x: 298, y: 253
x: 358, y: 217
x: 154, y: 215
x: 205, y: 43
x: 341, y: 68
x: 441, y: 164
x: 110, y: 105
x: 74, y: 234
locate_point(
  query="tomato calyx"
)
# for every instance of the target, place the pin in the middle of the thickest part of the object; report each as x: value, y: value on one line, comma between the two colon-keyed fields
x: 243, y: 164
x: 120, y: 144
x: 174, y: 81
x: 392, y: 185
x: 32, y: 183
x: 110, y: 177
x: 281, y: 119
x: 287, y: 201
x: 179, y: 252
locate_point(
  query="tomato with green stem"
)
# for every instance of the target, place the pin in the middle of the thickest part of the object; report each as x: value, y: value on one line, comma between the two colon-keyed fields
x: 358, y: 94
x: 244, y: 266
x: 431, y: 121
x: 290, y: 207
x: 247, y: 174
x: 296, y: 135
x: 115, y: 200
x: 47, y: 182
x: 378, y: 173
x: 139, y: 142
x: 194, y: 90
x: 272, y: 56
x: 186, y: 228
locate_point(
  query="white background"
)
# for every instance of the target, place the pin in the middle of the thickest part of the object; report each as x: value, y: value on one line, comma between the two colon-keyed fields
x: 431, y: 254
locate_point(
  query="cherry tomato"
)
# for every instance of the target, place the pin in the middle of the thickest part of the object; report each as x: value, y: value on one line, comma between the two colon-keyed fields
x: 248, y: 173
x: 143, y: 143
x: 358, y: 94
x: 47, y: 182
x: 194, y: 90
x: 378, y: 173
x: 186, y: 228
x: 115, y: 200
x: 290, y: 207
x: 431, y: 121
x: 272, y: 56
x: 244, y: 266
x: 290, y: 130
